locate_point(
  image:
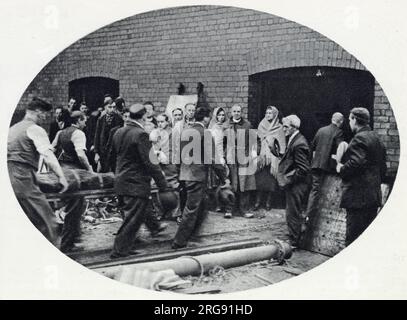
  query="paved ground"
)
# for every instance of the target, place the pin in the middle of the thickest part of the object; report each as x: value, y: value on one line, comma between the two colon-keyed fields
x: 266, y: 226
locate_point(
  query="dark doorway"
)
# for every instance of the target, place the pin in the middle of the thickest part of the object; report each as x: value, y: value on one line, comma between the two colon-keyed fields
x: 92, y: 90
x: 312, y: 93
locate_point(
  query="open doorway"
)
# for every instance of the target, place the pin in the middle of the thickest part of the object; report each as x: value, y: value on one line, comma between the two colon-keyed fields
x: 92, y: 90
x: 313, y: 93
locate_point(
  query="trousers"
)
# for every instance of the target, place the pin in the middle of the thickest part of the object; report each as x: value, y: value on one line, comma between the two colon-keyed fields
x: 315, y: 192
x: 74, y: 208
x: 134, y: 210
x: 194, y: 214
x: 33, y: 201
x: 357, y: 220
x: 295, y: 197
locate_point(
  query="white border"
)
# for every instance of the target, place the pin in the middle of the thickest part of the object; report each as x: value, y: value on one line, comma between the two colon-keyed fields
x: 374, y: 31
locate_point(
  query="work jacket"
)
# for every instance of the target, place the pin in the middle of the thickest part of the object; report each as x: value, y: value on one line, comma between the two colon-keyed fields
x: 364, y: 168
x: 135, y: 162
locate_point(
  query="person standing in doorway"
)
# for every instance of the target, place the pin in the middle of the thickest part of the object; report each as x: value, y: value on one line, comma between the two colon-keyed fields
x: 323, y: 146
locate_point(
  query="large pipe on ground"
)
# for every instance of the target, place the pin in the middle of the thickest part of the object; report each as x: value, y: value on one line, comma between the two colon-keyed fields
x: 199, y: 265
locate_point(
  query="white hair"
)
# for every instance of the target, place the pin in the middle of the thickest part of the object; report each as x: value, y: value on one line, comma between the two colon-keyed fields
x: 292, y: 120
x: 337, y: 118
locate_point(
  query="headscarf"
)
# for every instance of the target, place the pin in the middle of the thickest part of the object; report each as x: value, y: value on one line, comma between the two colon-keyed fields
x: 214, y: 121
x: 217, y: 130
x: 268, y: 131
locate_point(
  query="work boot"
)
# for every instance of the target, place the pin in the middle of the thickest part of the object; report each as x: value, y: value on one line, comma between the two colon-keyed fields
x: 160, y: 229
x: 221, y: 209
x: 177, y: 246
x: 75, y: 247
x: 115, y: 255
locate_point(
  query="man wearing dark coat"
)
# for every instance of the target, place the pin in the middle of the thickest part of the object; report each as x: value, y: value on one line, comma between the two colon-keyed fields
x: 241, y: 142
x: 293, y: 176
x: 56, y: 124
x: 104, y: 124
x: 362, y: 168
x: 134, y: 170
x: 324, y: 144
x: 194, y: 173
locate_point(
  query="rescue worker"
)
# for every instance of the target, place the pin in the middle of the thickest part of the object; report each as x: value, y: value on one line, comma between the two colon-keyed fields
x: 194, y: 173
x: 72, y: 142
x: 26, y: 142
x: 134, y: 170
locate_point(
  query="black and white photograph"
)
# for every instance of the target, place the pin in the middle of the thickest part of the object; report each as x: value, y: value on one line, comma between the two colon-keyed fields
x: 202, y: 150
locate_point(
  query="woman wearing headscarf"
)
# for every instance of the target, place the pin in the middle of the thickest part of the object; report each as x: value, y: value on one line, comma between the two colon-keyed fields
x: 268, y: 131
x: 217, y: 127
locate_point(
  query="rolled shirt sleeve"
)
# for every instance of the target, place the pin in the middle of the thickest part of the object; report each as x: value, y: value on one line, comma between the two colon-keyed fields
x: 40, y: 138
x: 78, y: 139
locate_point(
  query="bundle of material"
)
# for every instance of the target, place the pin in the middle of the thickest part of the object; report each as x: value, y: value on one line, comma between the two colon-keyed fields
x: 78, y: 180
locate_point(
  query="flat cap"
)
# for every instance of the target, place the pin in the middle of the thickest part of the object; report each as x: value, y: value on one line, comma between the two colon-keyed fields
x: 136, y: 108
x: 37, y: 103
x: 362, y: 114
x: 76, y: 113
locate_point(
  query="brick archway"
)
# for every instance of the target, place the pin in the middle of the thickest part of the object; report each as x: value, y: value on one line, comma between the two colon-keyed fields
x: 301, y: 54
x: 93, y: 68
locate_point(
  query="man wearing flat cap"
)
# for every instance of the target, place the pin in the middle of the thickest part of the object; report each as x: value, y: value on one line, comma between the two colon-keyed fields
x: 362, y: 168
x: 135, y: 166
x: 26, y: 142
x: 72, y: 142
x: 293, y: 176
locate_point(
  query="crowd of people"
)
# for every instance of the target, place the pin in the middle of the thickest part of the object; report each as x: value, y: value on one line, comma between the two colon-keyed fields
x: 162, y: 171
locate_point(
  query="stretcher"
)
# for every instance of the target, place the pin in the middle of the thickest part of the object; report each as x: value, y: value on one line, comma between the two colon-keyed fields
x: 87, y: 194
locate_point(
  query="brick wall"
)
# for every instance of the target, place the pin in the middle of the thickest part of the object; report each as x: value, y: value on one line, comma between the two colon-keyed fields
x: 385, y: 125
x: 220, y: 46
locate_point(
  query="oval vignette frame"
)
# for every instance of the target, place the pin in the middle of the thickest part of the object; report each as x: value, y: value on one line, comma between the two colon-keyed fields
x: 261, y: 67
